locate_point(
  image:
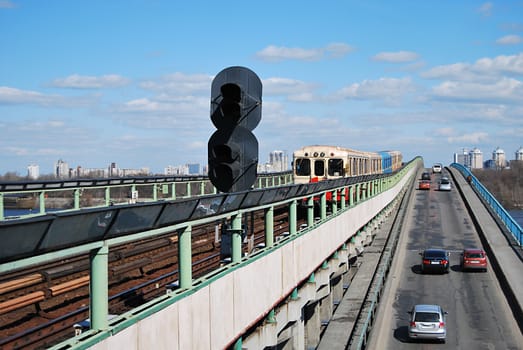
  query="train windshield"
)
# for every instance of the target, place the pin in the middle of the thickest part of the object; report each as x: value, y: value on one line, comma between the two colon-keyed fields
x: 319, y: 168
x: 303, y: 167
x: 336, y: 167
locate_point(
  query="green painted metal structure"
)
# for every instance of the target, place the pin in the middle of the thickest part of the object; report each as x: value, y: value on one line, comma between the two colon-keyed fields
x: 102, y: 327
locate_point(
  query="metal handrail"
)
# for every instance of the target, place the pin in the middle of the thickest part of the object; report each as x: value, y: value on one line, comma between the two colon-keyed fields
x: 501, y: 212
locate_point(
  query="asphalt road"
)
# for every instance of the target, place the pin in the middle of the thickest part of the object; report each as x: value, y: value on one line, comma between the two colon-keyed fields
x: 478, y: 314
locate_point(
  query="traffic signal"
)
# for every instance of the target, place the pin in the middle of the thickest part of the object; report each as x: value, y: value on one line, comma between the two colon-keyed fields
x: 235, y: 112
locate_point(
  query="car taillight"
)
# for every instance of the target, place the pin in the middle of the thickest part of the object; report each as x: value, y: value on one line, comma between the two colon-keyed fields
x: 444, y: 262
x: 425, y: 261
x: 441, y: 324
x: 412, y: 324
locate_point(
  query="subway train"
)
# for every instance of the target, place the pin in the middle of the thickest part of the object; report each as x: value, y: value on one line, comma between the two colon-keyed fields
x: 320, y: 162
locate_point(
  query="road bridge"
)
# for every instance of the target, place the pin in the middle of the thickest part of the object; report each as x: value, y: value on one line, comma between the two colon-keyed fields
x: 285, y: 294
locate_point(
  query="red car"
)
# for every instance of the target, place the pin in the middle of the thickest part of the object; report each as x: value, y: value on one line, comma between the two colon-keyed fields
x: 474, y: 259
x: 424, y: 185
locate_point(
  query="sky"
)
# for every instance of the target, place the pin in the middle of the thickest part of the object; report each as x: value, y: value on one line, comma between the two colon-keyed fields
x: 96, y: 82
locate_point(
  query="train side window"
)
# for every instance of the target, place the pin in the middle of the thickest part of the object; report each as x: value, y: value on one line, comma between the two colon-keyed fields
x: 319, y: 168
x: 303, y: 167
x: 335, y: 167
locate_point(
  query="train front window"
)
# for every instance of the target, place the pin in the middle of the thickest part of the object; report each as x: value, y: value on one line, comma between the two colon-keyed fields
x: 303, y: 167
x: 335, y: 167
x: 319, y: 168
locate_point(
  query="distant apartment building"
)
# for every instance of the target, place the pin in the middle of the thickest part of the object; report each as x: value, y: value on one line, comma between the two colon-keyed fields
x: 498, y: 156
x: 476, y: 159
x: 176, y: 170
x: 33, y: 171
x: 519, y: 154
x: 278, y: 162
x: 61, y: 169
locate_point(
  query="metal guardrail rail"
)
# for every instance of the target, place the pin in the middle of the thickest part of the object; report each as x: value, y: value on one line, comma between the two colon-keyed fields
x: 497, y: 208
x: 76, y: 194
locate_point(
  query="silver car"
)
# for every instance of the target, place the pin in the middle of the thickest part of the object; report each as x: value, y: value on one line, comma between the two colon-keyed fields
x: 427, y: 322
x: 444, y: 184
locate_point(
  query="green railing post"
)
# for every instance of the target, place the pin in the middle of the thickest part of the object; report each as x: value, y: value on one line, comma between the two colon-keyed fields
x: 2, y: 217
x: 292, y: 217
x: 269, y: 227
x: 77, y: 192
x: 351, y: 196
x: 236, y: 238
x: 334, y: 201
x: 202, y: 188
x: 188, y: 190
x: 185, y: 257
x: 108, y: 196
x: 173, y: 190
x: 99, y: 291
x: 41, y: 198
x: 310, y: 211
x: 323, y: 206
x: 155, y: 192
x: 343, y: 198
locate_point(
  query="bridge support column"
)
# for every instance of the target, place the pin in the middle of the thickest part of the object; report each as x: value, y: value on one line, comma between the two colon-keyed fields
x: 269, y: 227
x: 185, y: 257
x: 99, y: 290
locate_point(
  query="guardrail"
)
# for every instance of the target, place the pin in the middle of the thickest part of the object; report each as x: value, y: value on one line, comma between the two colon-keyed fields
x: 40, y: 197
x: 503, y: 215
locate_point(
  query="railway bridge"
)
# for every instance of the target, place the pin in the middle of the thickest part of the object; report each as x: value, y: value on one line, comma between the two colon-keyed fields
x: 293, y: 271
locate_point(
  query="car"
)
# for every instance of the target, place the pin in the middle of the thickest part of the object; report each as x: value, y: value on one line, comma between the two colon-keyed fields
x: 474, y: 259
x: 427, y: 322
x: 444, y: 184
x: 425, y: 176
x: 435, y: 260
x: 436, y: 168
x: 424, y: 185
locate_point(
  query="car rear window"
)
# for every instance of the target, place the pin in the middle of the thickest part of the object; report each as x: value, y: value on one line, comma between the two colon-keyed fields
x: 426, y: 317
x: 435, y: 254
x: 475, y: 255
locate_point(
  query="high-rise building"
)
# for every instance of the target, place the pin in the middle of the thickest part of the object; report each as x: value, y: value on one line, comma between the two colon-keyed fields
x: 519, y: 154
x: 61, y: 169
x: 33, y: 171
x: 476, y: 159
x: 498, y: 156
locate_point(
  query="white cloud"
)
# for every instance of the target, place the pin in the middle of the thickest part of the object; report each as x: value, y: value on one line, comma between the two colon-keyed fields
x: 76, y: 81
x: 472, y: 138
x: 383, y: 88
x: 505, y: 89
x: 510, y: 40
x: 13, y: 96
x: 274, y: 53
x: 486, y: 9
x: 483, y: 69
x: 7, y: 4
x: 180, y: 83
x: 396, y: 57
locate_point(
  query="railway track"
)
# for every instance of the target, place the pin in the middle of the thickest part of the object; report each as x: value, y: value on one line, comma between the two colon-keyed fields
x: 40, y: 306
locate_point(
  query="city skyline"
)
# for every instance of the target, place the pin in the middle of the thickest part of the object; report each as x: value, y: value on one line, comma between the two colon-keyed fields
x: 130, y: 82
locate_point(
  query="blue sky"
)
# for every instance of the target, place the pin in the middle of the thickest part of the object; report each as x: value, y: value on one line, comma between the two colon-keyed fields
x: 95, y: 82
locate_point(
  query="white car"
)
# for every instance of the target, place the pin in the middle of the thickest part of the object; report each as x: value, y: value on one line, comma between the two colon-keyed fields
x: 427, y: 322
x: 444, y: 184
x: 436, y: 168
